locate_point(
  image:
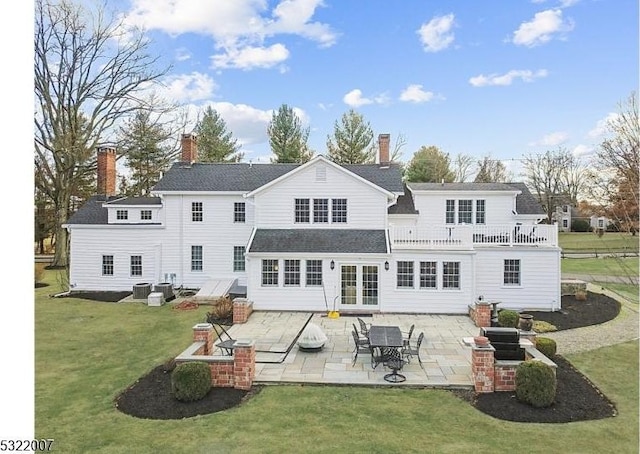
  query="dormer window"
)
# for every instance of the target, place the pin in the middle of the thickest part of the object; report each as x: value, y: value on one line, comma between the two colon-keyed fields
x: 145, y: 215
x: 122, y: 215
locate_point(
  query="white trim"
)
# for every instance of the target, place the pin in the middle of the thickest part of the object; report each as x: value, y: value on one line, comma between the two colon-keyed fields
x: 208, y: 193
x: 121, y: 225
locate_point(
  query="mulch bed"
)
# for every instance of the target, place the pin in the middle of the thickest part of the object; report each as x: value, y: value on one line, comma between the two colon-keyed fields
x: 577, y: 399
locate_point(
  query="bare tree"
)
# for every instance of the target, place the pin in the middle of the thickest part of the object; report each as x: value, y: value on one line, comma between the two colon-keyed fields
x: 491, y: 171
x: 89, y: 74
x: 462, y: 167
x: 545, y: 176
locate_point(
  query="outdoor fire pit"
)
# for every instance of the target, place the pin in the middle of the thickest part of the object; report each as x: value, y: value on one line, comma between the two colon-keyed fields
x: 312, y: 339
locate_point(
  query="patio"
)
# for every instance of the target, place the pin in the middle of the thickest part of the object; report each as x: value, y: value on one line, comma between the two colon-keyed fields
x: 446, y: 362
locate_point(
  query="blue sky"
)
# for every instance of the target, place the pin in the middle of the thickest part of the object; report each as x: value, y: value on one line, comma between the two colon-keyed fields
x: 491, y: 77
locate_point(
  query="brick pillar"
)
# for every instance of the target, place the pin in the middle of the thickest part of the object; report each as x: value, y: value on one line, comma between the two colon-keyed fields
x: 203, y: 332
x: 106, y: 171
x: 482, y: 368
x: 189, y: 148
x: 242, y: 309
x: 244, y: 364
x: 383, y: 149
x: 483, y: 314
x: 505, y: 378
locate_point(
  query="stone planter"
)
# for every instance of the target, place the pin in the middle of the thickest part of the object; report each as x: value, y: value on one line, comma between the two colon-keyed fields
x: 525, y: 322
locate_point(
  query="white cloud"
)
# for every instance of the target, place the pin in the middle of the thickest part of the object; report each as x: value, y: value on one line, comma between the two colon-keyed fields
x: 567, y: 3
x: 552, y: 139
x: 436, y: 35
x: 544, y: 26
x: 414, y: 93
x: 182, y: 54
x: 238, y: 28
x: 355, y: 99
x: 581, y: 151
x: 188, y: 87
x: 251, y: 57
x: 507, y: 78
x: 601, y: 127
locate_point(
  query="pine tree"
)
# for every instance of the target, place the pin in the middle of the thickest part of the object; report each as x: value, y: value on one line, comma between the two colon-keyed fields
x: 145, y: 145
x: 287, y: 137
x: 352, y: 141
x: 215, y: 143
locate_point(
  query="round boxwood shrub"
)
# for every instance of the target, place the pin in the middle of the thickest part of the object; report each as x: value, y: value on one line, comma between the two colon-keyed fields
x: 535, y: 384
x: 508, y: 318
x: 546, y: 346
x: 191, y: 381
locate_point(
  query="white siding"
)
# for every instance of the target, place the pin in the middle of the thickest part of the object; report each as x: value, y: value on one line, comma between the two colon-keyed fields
x: 540, y: 278
x: 366, y: 206
x: 435, y: 301
x: 432, y: 206
x: 89, y: 245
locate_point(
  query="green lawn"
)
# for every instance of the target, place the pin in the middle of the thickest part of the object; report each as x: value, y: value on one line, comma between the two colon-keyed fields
x: 610, y: 241
x: 607, y: 266
x: 88, y: 352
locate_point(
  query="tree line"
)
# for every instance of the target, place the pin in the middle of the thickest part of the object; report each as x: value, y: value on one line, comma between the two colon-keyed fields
x: 94, y: 79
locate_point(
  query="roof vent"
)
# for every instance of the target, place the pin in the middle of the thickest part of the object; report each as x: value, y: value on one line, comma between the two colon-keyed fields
x: 321, y: 173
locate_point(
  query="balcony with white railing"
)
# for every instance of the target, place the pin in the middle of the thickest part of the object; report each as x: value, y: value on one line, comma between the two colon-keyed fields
x: 469, y: 236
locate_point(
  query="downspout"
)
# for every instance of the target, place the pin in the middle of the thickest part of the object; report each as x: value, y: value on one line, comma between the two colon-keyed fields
x: 181, y: 243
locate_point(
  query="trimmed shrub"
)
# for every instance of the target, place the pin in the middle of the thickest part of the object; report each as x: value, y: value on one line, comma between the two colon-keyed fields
x: 581, y: 295
x: 540, y: 326
x: 535, y: 384
x: 580, y: 225
x: 191, y: 381
x: 546, y: 346
x: 508, y: 318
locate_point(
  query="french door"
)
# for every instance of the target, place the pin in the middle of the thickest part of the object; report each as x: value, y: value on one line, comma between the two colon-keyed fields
x: 359, y: 286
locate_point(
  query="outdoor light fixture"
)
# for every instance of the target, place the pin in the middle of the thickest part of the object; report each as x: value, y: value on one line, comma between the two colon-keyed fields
x: 332, y: 264
x: 386, y: 265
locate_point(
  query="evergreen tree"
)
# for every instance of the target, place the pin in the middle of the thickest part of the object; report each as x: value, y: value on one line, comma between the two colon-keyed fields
x: 430, y: 165
x: 352, y: 141
x: 215, y: 143
x: 145, y: 145
x: 492, y: 171
x: 287, y: 137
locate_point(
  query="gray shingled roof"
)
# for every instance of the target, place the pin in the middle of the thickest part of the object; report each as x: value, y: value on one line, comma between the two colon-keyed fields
x: 247, y: 177
x: 319, y: 241
x: 92, y: 212
x: 526, y: 203
x: 404, y: 204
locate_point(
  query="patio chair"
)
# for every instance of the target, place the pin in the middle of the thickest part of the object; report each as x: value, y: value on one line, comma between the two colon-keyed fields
x: 361, y: 346
x: 406, y: 336
x: 364, y: 327
x: 409, y: 352
x: 226, y: 341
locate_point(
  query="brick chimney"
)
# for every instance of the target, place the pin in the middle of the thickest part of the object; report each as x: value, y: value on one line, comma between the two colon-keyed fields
x: 383, y: 149
x: 107, y: 171
x: 189, y: 148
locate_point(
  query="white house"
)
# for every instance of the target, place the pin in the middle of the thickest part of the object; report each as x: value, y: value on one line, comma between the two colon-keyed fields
x: 320, y: 236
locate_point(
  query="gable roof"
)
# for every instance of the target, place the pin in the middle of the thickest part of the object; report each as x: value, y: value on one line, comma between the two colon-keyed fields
x: 319, y: 241
x: 526, y: 203
x: 404, y: 204
x: 94, y: 212
x: 245, y: 177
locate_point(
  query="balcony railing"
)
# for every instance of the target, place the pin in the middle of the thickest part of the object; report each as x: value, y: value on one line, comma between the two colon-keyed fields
x: 469, y: 236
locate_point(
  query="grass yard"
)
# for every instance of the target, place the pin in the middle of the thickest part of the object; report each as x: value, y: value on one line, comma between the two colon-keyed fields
x: 607, y: 266
x: 588, y: 242
x: 88, y: 352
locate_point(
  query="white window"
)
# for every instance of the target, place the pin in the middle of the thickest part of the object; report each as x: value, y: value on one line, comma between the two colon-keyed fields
x: 601, y: 223
x: 196, y: 212
x: 239, y: 214
x: 292, y: 273
x: 451, y: 212
x: 145, y: 215
x: 301, y: 211
x: 565, y: 223
x: 465, y: 211
x: 107, y: 265
x: 269, y: 272
x: 136, y: 265
x: 339, y: 210
x: 480, y: 212
x: 122, y: 215
x: 314, y: 273
x: 511, y: 272
x: 450, y: 274
x: 428, y: 274
x: 320, y: 210
x: 196, y: 258
x: 238, y: 258
x: 404, y: 274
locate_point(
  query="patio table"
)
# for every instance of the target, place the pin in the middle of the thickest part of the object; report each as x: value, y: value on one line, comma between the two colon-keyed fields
x: 388, y: 339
